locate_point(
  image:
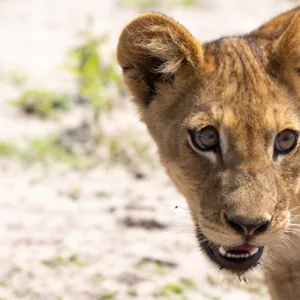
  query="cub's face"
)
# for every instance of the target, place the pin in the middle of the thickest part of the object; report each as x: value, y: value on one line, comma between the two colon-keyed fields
x: 225, y: 119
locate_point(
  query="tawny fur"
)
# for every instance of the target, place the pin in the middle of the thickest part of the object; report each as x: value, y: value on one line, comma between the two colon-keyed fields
x: 248, y: 87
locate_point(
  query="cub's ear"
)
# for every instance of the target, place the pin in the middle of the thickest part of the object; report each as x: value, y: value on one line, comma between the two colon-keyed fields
x: 273, y: 29
x: 285, y: 57
x: 153, y: 51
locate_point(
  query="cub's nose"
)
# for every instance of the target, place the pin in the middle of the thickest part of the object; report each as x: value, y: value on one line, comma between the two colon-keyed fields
x: 246, y: 226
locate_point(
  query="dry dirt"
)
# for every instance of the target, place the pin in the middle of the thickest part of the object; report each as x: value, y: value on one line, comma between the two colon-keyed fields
x: 102, y: 233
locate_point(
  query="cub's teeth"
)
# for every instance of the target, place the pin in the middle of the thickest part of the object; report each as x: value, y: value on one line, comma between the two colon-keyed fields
x: 232, y: 255
x: 253, y: 251
x: 225, y: 253
x: 222, y: 251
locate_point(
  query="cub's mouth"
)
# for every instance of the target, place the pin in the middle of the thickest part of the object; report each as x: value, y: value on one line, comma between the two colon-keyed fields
x: 238, y: 259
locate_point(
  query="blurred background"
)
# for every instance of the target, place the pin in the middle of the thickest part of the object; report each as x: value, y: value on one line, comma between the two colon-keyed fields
x: 86, y: 210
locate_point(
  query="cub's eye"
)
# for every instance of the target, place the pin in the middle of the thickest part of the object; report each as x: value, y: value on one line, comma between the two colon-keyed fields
x: 286, y: 141
x: 205, y: 139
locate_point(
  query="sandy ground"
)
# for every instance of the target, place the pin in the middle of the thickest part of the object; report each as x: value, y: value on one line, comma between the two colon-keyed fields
x: 99, y: 234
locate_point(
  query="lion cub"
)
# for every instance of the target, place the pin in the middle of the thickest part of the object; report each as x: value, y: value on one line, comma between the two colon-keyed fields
x: 226, y: 119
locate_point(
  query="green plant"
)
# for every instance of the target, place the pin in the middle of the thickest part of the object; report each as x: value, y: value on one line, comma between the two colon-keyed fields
x: 54, y: 261
x: 17, y: 78
x: 8, y: 149
x: 76, y: 149
x: 108, y: 295
x: 142, y: 4
x: 173, y: 288
x: 96, y: 279
x: 47, y: 151
x: 155, y: 267
x: 59, y: 260
x: 212, y: 280
x: 43, y: 103
x: 93, y: 73
x: 132, y: 291
x: 189, y: 282
x: 126, y: 149
x: 181, y: 2
x: 148, y: 4
x: 174, y: 291
x: 75, y: 192
x: 22, y: 292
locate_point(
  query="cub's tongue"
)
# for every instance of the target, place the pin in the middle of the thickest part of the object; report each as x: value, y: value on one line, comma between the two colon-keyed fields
x: 245, y: 250
x: 245, y: 247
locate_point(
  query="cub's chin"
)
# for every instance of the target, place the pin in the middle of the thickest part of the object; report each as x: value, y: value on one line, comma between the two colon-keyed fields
x: 237, y: 259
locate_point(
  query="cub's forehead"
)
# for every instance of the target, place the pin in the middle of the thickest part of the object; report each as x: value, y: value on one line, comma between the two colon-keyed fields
x: 238, y: 69
x: 271, y: 116
x: 239, y: 90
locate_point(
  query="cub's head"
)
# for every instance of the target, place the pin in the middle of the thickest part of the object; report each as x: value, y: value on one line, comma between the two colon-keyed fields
x: 226, y: 118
